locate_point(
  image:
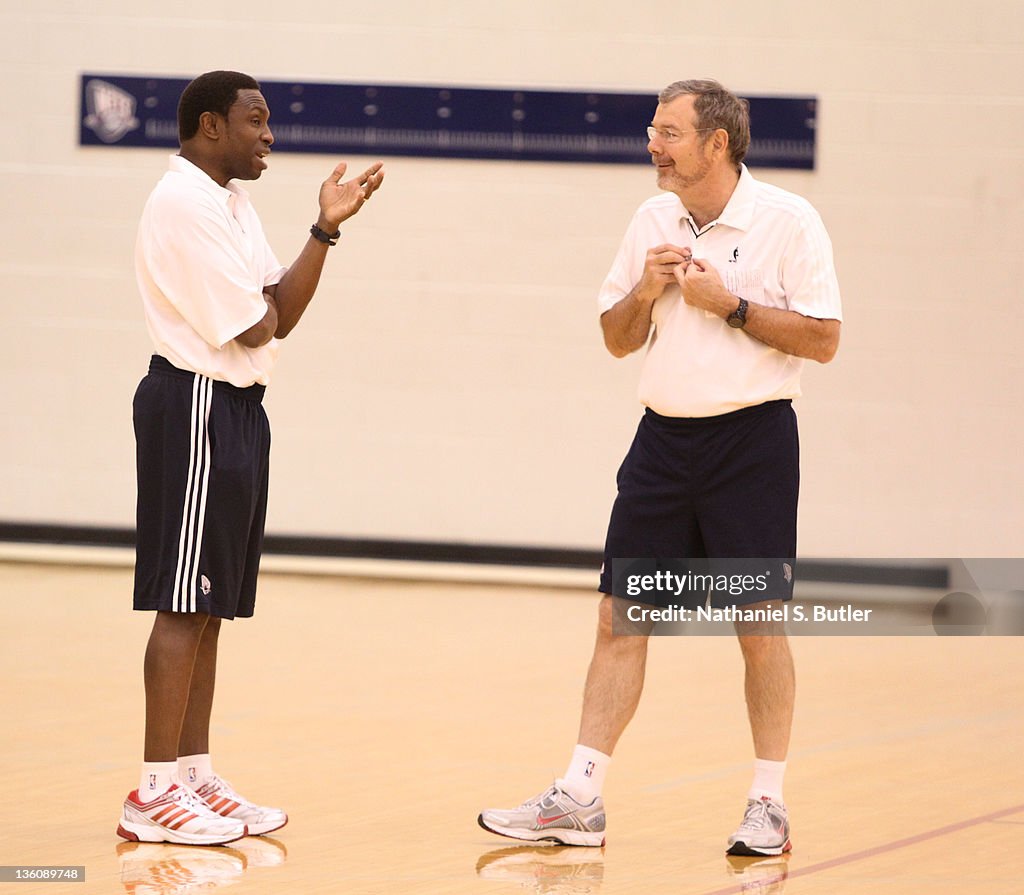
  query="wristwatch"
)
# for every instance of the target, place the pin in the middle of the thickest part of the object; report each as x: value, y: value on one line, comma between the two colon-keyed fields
x: 738, y: 318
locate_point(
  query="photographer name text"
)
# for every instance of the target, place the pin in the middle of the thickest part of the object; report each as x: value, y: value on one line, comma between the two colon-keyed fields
x: 786, y: 612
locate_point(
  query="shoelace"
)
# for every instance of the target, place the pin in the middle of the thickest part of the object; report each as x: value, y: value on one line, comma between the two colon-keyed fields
x: 756, y: 816
x: 553, y: 791
x: 194, y: 804
x: 221, y: 787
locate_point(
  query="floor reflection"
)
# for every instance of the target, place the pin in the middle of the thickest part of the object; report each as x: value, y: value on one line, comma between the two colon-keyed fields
x: 159, y: 868
x: 759, y: 876
x: 551, y: 870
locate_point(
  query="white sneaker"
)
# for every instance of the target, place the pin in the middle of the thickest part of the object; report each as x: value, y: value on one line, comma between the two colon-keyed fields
x: 553, y: 816
x: 176, y: 816
x: 220, y: 798
x: 763, y: 831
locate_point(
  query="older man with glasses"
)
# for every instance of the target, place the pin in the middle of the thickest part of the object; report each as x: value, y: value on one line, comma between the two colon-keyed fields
x: 735, y: 280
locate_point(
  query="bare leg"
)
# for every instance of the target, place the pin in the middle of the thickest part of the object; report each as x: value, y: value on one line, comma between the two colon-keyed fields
x: 170, y: 659
x: 195, y: 731
x: 614, y: 683
x: 770, y: 686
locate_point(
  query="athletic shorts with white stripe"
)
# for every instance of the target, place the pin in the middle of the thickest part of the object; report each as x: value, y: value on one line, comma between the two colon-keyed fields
x: 202, y: 459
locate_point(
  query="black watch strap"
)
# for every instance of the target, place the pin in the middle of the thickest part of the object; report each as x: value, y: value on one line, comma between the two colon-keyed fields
x: 330, y: 238
x: 738, y: 318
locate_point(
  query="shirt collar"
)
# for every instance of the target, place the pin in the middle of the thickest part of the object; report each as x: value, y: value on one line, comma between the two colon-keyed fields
x: 739, y: 210
x: 229, y: 195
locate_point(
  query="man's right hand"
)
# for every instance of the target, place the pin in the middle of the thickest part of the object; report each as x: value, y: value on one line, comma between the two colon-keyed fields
x: 659, y: 267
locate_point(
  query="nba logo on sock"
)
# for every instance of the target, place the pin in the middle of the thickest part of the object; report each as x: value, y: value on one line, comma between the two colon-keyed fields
x: 588, y: 771
x: 191, y: 775
x: 152, y: 781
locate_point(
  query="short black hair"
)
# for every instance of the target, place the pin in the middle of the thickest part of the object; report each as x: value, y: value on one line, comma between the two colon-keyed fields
x: 215, y: 91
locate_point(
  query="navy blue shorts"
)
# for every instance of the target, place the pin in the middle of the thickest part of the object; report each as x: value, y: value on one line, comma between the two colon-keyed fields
x: 203, y: 463
x: 721, y: 487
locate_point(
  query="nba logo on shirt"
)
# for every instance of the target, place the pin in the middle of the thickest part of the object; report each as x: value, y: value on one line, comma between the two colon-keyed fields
x: 152, y: 781
x: 191, y: 775
x: 589, y: 769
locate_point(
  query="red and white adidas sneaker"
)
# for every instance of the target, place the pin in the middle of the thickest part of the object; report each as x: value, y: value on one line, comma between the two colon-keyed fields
x: 220, y: 798
x: 179, y: 816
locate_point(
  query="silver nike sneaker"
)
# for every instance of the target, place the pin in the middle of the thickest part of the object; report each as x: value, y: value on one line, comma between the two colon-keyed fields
x: 553, y: 816
x: 764, y: 830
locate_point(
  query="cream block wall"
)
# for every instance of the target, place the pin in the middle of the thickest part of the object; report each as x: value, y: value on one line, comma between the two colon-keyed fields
x: 449, y: 381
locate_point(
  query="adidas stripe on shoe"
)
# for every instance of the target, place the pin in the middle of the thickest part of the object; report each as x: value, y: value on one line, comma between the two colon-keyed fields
x: 220, y: 798
x: 178, y: 816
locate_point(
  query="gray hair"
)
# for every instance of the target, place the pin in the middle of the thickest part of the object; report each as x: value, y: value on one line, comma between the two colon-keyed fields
x: 715, y: 108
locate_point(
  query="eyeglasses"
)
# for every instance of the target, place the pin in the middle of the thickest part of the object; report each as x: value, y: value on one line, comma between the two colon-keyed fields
x: 674, y: 136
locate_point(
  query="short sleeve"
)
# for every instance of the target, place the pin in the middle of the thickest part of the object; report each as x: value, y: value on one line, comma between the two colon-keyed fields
x: 201, y: 266
x: 626, y: 271
x: 808, y: 270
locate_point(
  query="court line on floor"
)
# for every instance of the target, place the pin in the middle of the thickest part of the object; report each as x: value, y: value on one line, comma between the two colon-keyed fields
x: 882, y: 849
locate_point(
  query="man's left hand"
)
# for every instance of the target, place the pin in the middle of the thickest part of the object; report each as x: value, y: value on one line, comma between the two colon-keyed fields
x: 340, y: 200
x: 702, y: 287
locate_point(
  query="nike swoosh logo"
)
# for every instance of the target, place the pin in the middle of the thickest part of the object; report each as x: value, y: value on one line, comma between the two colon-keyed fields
x: 544, y: 821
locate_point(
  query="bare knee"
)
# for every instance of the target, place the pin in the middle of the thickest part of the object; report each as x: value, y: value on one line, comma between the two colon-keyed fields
x: 615, y: 630
x: 182, y: 625
x: 763, y: 647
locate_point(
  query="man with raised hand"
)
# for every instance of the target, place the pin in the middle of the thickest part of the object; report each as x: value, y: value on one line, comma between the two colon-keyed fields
x: 216, y: 303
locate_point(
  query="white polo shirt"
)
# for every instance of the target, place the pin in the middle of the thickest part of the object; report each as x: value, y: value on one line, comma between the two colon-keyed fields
x: 770, y: 247
x: 202, y: 262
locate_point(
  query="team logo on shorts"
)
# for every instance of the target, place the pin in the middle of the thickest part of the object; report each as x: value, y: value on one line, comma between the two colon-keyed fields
x: 204, y: 585
x: 588, y: 771
x: 111, y: 111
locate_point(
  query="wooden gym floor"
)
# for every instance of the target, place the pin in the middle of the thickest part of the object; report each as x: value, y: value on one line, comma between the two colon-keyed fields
x: 383, y: 715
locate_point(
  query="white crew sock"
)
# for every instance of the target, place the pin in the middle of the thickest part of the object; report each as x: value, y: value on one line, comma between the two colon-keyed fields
x: 156, y: 778
x: 767, y: 779
x: 584, y: 778
x: 194, y: 770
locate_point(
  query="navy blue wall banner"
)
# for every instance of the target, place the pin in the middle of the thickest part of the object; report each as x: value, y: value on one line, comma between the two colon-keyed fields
x: 439, y: 122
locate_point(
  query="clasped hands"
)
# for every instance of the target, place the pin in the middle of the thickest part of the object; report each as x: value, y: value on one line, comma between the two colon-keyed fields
x: 699, y: 282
